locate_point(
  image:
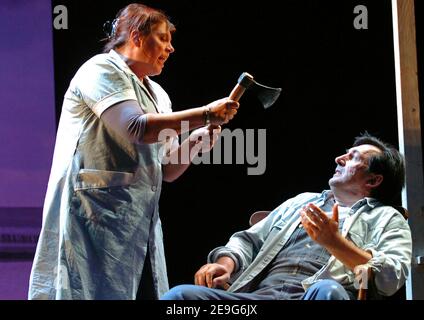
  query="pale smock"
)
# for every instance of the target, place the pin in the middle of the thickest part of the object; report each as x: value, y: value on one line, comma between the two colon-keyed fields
x: 101, y: 207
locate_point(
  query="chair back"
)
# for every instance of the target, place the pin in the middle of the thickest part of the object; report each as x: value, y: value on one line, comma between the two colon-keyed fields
x: 258, y: 216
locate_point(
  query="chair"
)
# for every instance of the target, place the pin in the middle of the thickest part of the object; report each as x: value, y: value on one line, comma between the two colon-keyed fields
x: 363, y: 287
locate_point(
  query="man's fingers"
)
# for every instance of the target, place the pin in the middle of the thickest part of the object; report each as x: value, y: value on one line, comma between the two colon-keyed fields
x: 309, y: 226
x: 313, y: 216
x: 226, y: 286
x: 209, y: 279
x: 318, y: 212
x: 199, y: 277
x: 306, y: 219
x: 199, y: 280
x: 205, y: 275
x: 221, y: 282
x: 336, y: 212
x: 307, y: 223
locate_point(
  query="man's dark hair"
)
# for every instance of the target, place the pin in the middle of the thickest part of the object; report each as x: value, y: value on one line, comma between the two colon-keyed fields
x: 389, y: 163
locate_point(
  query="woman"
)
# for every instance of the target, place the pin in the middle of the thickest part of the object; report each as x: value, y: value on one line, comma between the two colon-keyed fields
x: 101, y: 227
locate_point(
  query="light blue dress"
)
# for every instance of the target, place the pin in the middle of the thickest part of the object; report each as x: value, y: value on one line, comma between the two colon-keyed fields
x: 101, y: 207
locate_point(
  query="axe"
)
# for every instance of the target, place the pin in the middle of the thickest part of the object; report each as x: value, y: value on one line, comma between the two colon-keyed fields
x: 266, y: 95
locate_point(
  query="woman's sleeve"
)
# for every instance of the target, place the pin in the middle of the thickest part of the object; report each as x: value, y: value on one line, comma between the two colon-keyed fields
x: 127, y: 120
x: 101, y: 85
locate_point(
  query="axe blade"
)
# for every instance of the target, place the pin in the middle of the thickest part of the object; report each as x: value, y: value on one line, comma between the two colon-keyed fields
x: 266, y: 95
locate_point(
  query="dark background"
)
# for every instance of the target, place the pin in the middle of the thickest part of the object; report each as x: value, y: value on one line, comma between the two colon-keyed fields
x: 337, y: 82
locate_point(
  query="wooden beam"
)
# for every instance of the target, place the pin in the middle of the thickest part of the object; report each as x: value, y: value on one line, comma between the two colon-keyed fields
x: 409, y: 129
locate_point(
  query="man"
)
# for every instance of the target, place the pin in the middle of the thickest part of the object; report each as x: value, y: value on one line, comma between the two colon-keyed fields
x: 303, y: 251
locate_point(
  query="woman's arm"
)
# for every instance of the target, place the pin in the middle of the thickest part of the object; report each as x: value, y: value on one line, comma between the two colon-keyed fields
x: 127, y: 119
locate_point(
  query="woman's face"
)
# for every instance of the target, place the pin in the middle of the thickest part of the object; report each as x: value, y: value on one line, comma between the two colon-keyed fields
x: 155, y: 49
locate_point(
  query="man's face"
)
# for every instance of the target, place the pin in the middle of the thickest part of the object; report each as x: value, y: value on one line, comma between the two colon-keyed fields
x: 351, y: 172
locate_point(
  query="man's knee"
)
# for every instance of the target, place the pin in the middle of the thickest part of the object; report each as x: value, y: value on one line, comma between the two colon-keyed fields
x: 326, y: 290
x: 182, y: 292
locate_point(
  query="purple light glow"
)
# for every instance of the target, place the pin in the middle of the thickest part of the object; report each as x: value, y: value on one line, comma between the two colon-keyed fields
x: 27, y: 113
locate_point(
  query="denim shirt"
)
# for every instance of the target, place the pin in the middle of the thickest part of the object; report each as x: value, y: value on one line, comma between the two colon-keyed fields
x: 379, y: 229
x: 101, y: 207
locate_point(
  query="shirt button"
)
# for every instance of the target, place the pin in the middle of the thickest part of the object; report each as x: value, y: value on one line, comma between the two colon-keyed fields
x: 154, y: 188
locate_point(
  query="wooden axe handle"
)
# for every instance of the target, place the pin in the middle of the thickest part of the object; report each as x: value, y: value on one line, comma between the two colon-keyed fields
x: 237, y: 92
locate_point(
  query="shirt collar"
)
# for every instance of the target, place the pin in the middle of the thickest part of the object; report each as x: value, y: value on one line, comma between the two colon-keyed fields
x: 117, y: 59
x: 370, y: 202
x: 327, y: 195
